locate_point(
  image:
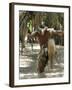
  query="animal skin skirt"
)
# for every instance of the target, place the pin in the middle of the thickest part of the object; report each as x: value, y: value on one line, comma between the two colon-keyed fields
x: 42, y: 59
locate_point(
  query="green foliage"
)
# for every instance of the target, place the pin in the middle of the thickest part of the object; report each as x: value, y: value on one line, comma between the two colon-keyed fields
x: 53, y: 20
x: 29, y: 25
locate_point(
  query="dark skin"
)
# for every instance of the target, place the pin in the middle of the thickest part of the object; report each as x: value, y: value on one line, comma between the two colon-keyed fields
x: 43, y: 38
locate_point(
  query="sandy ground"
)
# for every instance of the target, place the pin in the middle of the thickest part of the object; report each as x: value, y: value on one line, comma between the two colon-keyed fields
x: 28, y: 63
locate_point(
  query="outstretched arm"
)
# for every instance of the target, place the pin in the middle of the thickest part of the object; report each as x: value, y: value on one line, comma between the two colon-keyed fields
x: 58, y: 33
x: 34, y: 34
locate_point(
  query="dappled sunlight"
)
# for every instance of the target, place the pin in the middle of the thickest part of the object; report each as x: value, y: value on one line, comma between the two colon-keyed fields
x: 41, y: 75
x: 28, y: 64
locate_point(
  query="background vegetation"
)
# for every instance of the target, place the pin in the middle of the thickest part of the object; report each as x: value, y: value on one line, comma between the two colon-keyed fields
x: 31, y: 20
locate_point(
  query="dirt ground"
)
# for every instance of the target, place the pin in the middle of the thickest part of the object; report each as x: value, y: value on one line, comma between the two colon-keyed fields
x: 28, y: 63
